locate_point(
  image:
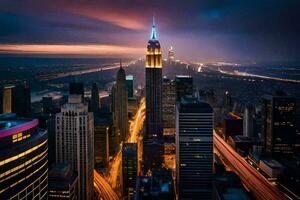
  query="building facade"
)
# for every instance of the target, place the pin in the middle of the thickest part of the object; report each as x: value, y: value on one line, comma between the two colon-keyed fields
x: 63, y: 182
x: 75, y: 142
x: 168, y: 106
x: 129, y: 168
x: 194, y: 149
x: 279, y: 126
x: 23, y: 159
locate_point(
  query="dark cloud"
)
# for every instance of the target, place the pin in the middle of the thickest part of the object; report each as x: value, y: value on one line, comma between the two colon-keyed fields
x: 198, y: 29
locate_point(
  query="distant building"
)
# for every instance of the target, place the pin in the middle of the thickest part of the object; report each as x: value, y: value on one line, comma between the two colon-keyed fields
x: 233, y: 125
x: 16, y: 99
x: 153, y: 120
x: 120, y: 104
x: 129, y: 168
x: 279, y: 115
x: 129, y: 84
x: 48, y: 107
x: 95, y: 99
x: 248, y: 121
x: 194, y: 149
x: 23, y: 159
x: 77, y: 88
x: 75, y: 142
x: 184, y: 86
x: 242, y: 144
x: 171, y: 55
x: 22, y: 100
x: 63, y: 182
x: 168, y: 106
x: 8, y: 96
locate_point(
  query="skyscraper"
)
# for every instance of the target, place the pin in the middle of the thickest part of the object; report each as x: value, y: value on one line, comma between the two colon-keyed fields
x: 77, y: 88
x: 153, y: 87
x: 194, y: 149
x: 75, y: 142
x: 129, y: 168
x: 23, y: 159
x: 94, y: 104
x: 279, y: 116
x: 120, y: 104
x: 184, y: 86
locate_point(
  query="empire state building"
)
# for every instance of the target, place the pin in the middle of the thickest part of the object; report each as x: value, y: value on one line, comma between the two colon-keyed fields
x: 153, y: 87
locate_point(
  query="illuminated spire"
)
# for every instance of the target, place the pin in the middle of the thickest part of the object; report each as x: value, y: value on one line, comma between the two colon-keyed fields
x: 153, y: 32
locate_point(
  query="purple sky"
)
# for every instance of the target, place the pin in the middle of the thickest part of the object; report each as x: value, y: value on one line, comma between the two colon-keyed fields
x: 199, y: 30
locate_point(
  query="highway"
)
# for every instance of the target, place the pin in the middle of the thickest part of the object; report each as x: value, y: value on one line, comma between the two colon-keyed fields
x: 47, y: 77
x: 259, y: 186
x: 237, y: 73
x: 105, y: 184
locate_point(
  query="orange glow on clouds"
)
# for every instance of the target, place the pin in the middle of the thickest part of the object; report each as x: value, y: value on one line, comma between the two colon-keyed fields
x: 94, y: 50
x: 121, y: 18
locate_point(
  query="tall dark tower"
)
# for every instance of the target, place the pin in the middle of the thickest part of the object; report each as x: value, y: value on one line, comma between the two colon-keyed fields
x: 120, y: 107
x: 153, y: 87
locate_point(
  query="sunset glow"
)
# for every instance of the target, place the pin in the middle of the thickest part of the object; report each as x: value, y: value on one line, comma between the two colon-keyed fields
x: 102, y: 50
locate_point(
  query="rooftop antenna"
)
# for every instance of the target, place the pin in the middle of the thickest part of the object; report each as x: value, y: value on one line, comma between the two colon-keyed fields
x: 153, y: 32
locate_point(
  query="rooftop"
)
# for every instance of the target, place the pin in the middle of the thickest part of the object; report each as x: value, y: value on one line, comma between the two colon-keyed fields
x: 191, y: 104
x: 10, y: 127
x: 129, y: 77
x: 272, y: 163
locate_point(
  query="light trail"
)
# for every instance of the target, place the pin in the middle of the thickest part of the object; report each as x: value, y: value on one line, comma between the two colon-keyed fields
x: 135, y: 126
x: 103, y: 188
x: 47, y: 77
x: 237, y: 73
x: 257, y: 183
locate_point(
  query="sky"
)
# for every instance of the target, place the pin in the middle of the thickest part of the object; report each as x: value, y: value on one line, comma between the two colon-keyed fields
x: 198, y: 30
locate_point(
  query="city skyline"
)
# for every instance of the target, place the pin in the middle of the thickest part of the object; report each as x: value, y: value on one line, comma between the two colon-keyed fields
x: 211, y: 30
x: 155, y: 125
